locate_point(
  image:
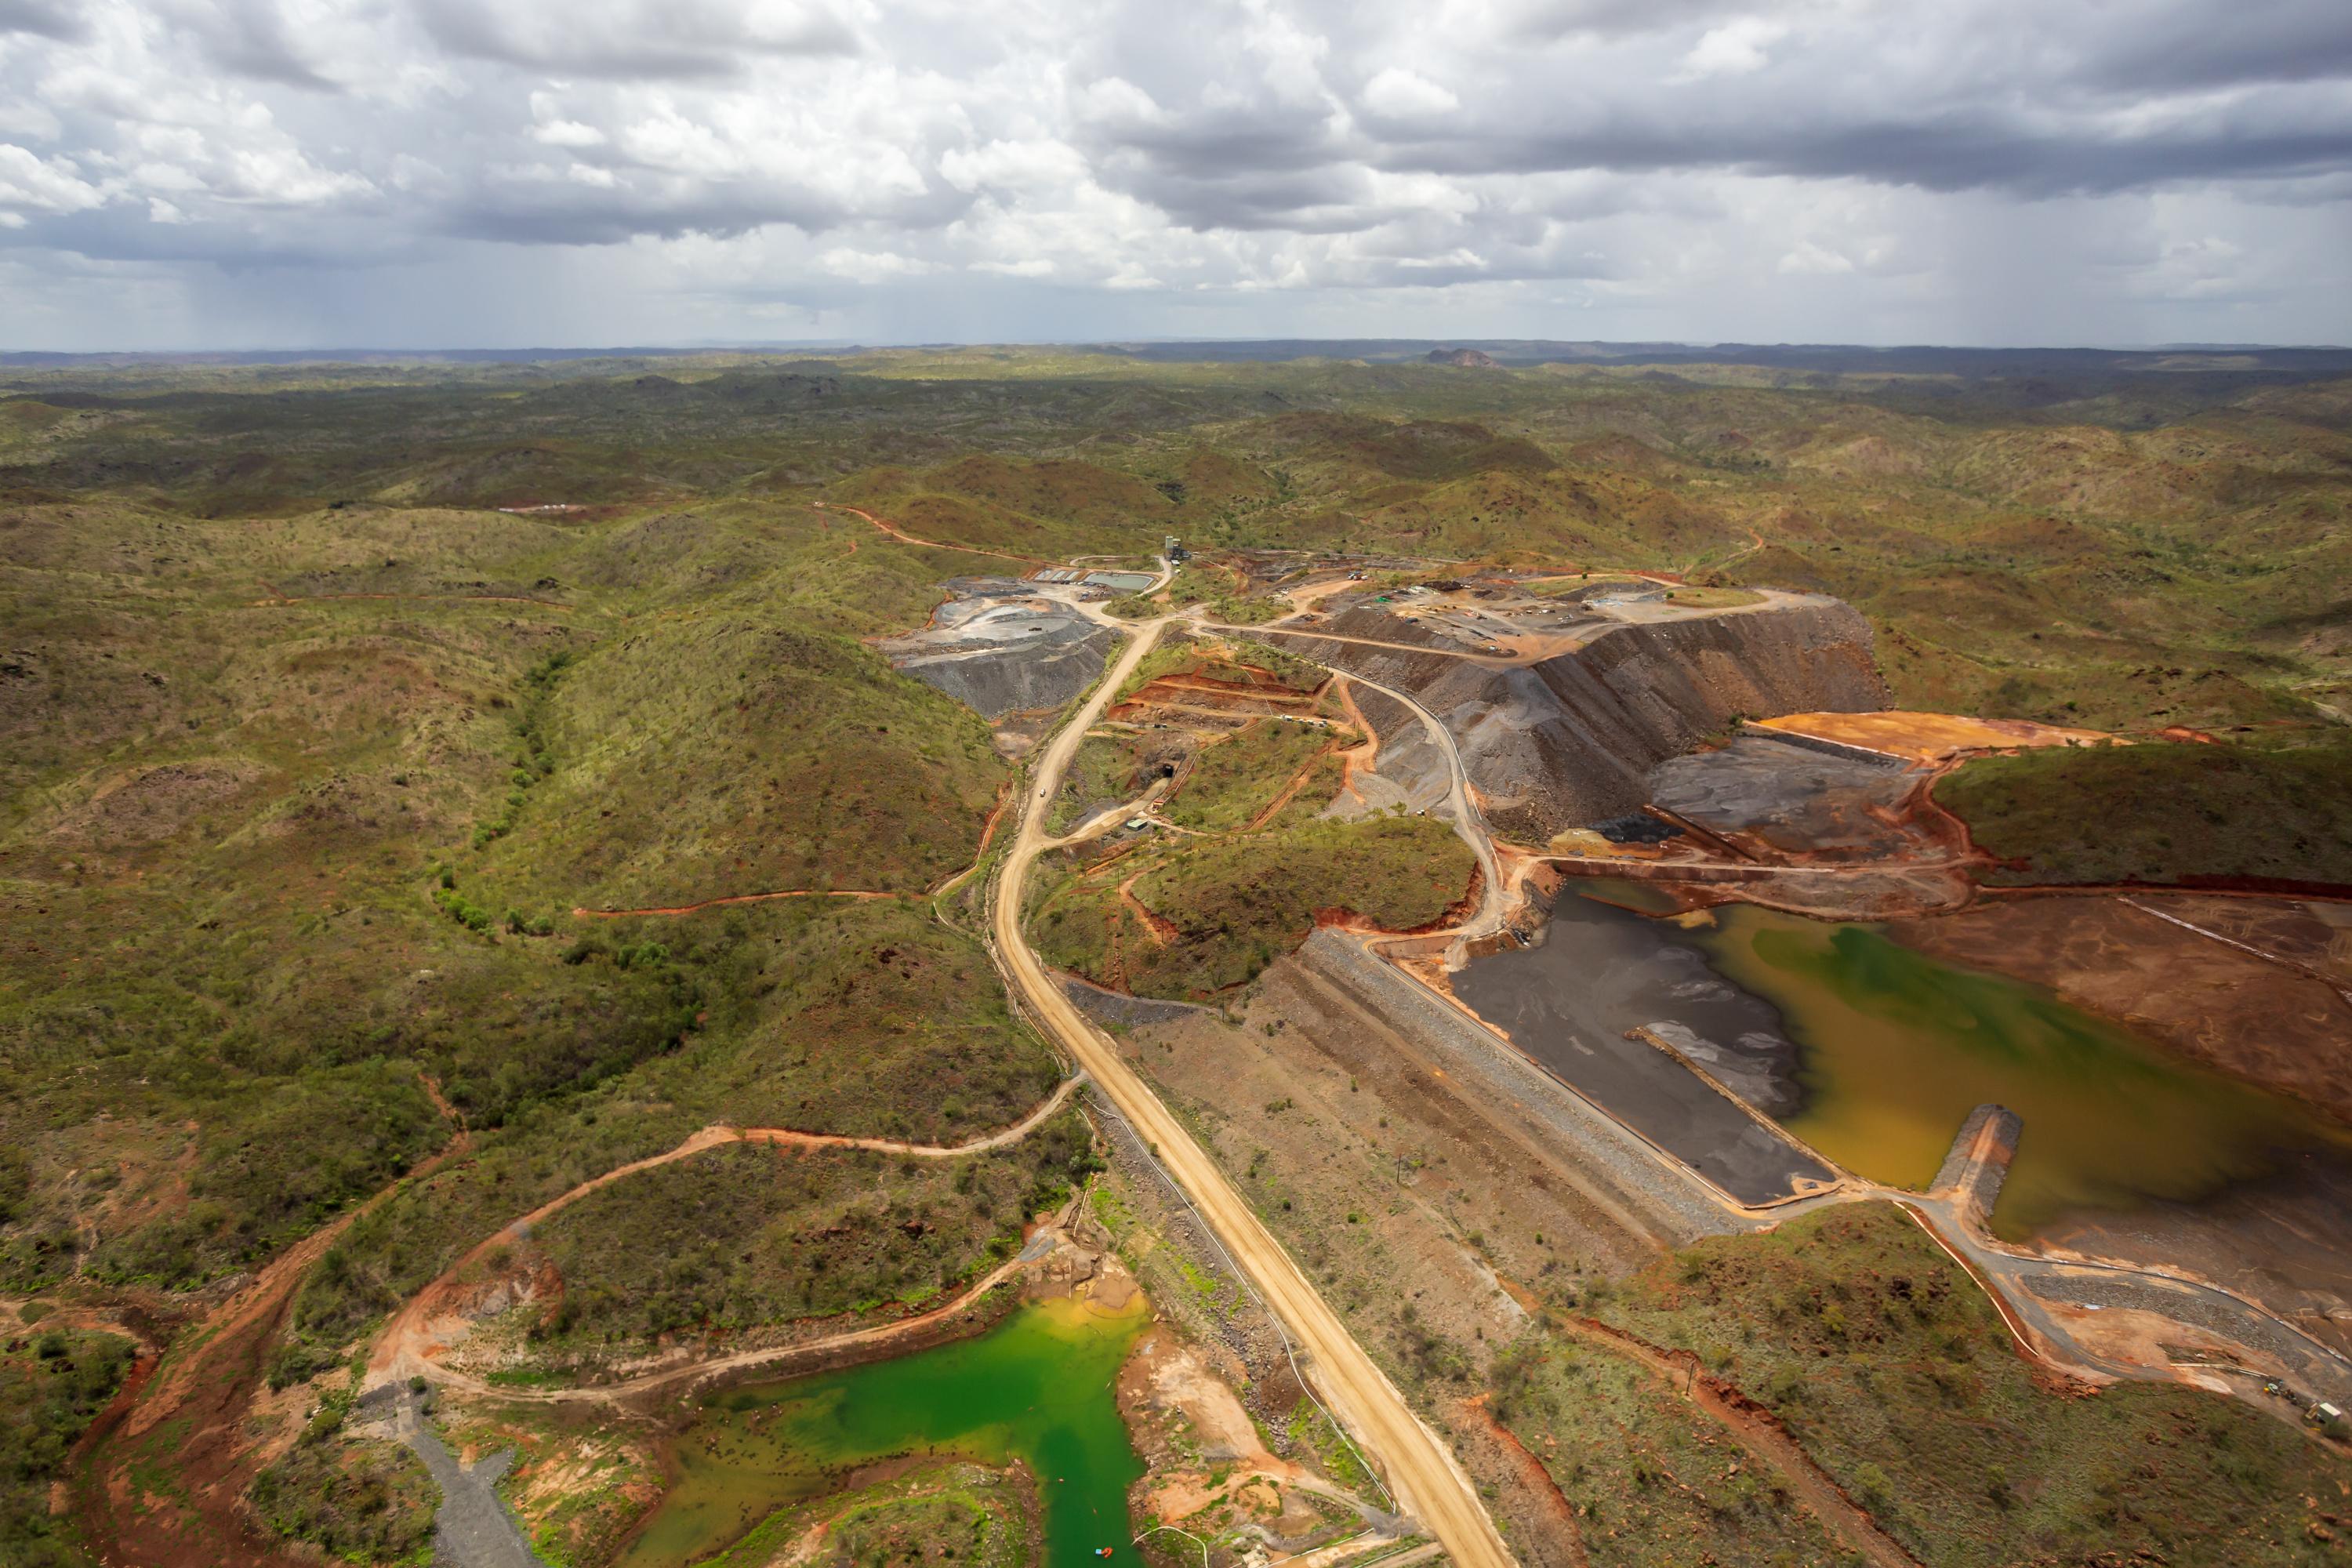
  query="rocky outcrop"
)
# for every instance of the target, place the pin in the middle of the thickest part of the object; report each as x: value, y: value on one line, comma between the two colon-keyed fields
x: 1571, y: 739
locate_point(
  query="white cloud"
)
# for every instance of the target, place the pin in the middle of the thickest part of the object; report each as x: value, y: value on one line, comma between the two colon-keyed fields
x: 1666, y: 167
x: 1809, y: 258
x: 42, y: 185
x: 1025, y: 165
x: 872, y: 266
x: 1407, y: 95
x: 1734, y: 49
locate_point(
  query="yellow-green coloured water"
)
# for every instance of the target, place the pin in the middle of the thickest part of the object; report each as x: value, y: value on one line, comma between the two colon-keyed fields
x: 1038, y: 1388
x: 1898, y: 1048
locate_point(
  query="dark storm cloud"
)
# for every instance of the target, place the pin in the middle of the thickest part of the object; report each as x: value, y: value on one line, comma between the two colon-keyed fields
x: 1609, y: 18
x: 633, y: 39
x: 59, y: 20
x: 250, y: 39
x: 2032, y: 117
x: 2187, y: 45
x: 1956, y: 153
x: 1319, y: 200
x: 557, y: 212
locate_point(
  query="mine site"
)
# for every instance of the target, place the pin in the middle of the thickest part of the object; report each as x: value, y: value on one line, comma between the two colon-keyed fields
x: 1719, y: 958
x: 836, y: 783
x: 1214, y: 969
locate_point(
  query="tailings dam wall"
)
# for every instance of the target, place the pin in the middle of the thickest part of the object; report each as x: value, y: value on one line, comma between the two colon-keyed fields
x: 1570, y: 741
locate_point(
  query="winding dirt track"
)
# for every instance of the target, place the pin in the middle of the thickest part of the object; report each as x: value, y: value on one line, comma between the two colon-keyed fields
x: 407, y: 1344
x: 206, y: 1385
x: 1419, y: 1467
x: 696, y: 1372
x: 903, y: 537
x: 588, y: 914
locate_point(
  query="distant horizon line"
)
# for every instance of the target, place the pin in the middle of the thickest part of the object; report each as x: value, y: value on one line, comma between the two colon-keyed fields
x: 1593, y: 347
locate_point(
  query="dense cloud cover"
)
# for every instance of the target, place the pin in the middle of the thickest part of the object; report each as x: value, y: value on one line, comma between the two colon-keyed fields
x: 208, y: 173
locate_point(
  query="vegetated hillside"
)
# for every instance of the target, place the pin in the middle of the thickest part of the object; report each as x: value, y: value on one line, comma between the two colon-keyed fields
x: 747, y: 1235
x: 1235, y: 777
x: 2162, y: 812
x: 1106, y: 770
x: 1045, y: 510
x: 1216, y: 912
x: 297, y: 803
x: 1888, y: 1363
x: 860, y: 1017
x: 718, y: 754
x: 53, y: 1383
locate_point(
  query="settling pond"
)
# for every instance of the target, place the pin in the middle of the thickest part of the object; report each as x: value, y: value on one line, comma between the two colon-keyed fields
x: 1038, y: 1388
x: 1873, y: 1054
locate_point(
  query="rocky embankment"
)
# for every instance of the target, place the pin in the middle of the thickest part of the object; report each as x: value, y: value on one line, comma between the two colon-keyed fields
x: 1022, y: 680
x: 1571, y: 740
x: 999, y: 648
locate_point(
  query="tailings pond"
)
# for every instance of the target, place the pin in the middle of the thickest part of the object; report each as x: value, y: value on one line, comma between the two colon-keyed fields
x: 1039, y: 1388
x: 1873, y: 1054
x: 1601, y: 971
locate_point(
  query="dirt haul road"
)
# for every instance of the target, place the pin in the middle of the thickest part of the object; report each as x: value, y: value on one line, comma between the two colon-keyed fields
x: 1419, y: 1467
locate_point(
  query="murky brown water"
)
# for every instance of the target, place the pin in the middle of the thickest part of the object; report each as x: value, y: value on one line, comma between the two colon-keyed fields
x: 1873, y: 1054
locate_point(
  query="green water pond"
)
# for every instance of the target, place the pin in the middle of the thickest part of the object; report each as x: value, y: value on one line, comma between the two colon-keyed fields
x: 1038, y: 1388
x: 1897, y: 1048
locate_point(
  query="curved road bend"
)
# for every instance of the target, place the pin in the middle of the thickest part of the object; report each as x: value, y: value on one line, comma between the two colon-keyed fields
x: 1421, y: 1469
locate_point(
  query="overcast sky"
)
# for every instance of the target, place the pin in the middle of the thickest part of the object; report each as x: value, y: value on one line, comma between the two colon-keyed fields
x: 209, y: 174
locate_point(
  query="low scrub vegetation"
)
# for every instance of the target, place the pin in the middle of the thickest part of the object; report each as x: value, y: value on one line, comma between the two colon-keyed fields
x: 963, y: 1513
x: 358, y: 1499
x: 1236, y: 777
x: 1211, y: 587
x: 864, y: 1017
x: 307, y: 758
x: 53, y: 1384
x: 748, y: 1235
x: 1650, y: 1479
x: 2160, y: 812
x: 1225, y: 908
x: 1105, y: 771
x: 1896, y: 1373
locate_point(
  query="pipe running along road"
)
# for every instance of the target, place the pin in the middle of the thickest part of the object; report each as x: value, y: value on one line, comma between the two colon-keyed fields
x: 1419, y: 1469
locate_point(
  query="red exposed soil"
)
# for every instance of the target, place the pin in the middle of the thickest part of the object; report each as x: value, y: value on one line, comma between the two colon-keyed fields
x: 186, y: 1423
x: 1159, y: 928
x: 1559, y: 1514
x: 2258, y: 1000
x: 1361, y: 757
x: 736, y: 899
x: 1271, y: 688
x: 1930, y: 737
x: 2223, y: 887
